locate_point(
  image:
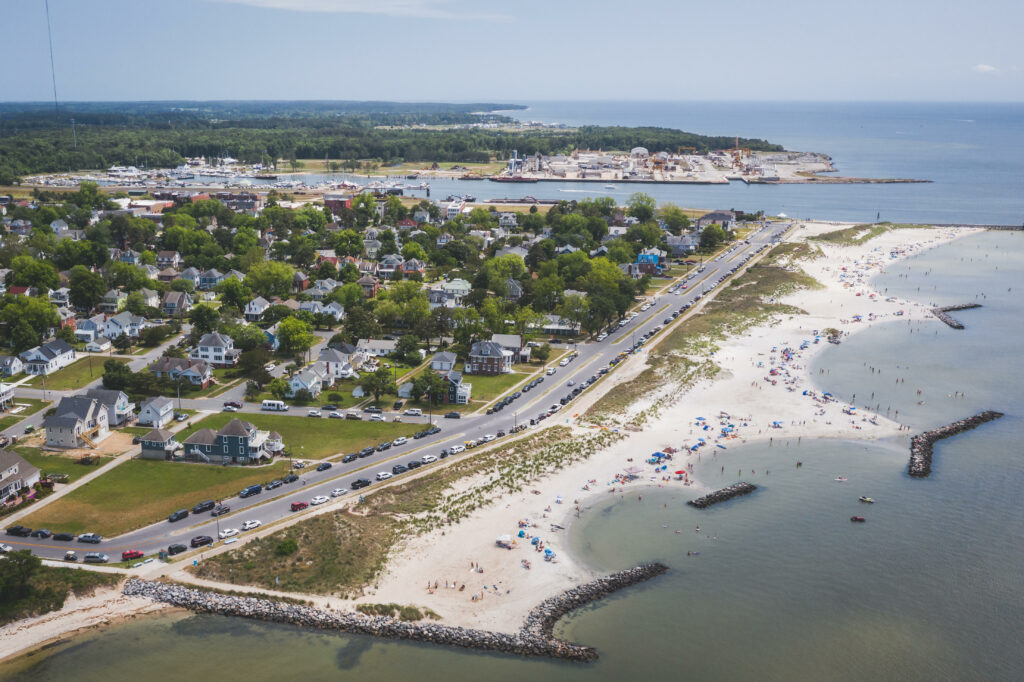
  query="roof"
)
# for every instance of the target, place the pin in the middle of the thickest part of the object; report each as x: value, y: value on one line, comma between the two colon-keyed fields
x: 159, y: 436
x: 507, y: 340
x: 333, y: 355
x: 202, y: 437
x: 104, y: 395
x: 9, y: 459
x: 236, y: 427
x: 487, y: 348
x: 157, y: 402
x: 444, y: 356
x: 215, y: 339
x: 71, y: 409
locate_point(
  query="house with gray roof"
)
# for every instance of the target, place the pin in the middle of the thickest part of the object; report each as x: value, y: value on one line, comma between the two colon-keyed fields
x: 443, y: 361
x: 217, y: 349
x: 78, y: 422
x: 156, y: 412
x: 489, y: 358
x: 47, y: 358
x: 15, y: 474
x: 159, y: 444
x: 120, y: 410
x: 238, y: 442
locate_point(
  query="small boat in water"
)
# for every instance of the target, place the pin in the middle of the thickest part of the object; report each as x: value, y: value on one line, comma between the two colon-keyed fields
x: 610, y: 187
x: 864, y: 498
x: 841, y: 479
x: 857, y: 519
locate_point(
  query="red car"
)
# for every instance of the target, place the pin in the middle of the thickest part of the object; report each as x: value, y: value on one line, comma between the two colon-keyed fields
x: 131, y: 554
x: 233, y: 403
x: 299, y: 506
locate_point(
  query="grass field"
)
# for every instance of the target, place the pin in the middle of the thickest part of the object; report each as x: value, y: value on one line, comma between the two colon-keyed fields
x: 74, y: 376
x: 312, y: 438
x: 140, y: 492
x: 32, y: 405
x: 59, y: 464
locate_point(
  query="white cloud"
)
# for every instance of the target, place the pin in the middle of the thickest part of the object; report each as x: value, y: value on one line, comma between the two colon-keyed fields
x: 984, y: 68
x: 433, y: 9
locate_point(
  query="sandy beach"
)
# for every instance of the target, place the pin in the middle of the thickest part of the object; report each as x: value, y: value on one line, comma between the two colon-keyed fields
x: 762, y: 390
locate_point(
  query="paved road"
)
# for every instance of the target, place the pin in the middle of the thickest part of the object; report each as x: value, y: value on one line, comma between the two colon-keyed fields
x: 273, y: 505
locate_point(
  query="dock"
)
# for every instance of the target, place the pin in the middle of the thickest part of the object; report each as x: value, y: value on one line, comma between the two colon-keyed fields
x: 921, y: 445
x: 941, y: 313
x: 734, y: 490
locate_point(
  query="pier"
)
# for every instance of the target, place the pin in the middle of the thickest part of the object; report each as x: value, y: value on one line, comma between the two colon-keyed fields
x: 941, y: 313
x: 921, y: 445
x: 734, y: 490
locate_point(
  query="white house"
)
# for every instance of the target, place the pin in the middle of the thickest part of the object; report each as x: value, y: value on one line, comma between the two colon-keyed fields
x: 376, y: 347
x: 78, y: 422
x: 123, y: 323
x: 156, y: 412
x: 15, y: 474
x: 120, y: 410
x: 338, y: 364
x: 255, y: 308
x: 48, y: 358
x: 457, y: 289
x: 10, y: 365
x: 443, y: 361
x: 216, y: 349
x: 100, y: 344
x: 311, y: 379
x: 6, y: 396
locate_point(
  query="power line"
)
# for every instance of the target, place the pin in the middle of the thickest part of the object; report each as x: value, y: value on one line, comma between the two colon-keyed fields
x: 53, y: 73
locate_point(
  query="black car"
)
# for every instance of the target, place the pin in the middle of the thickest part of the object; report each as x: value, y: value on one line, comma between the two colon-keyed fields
x: 398, y: 405
x: 350, y: 458
x: 250, y: 491
x: 290, y: 478
x: 366, y: 452
x: 433, y: 429
x: 19, y: 531
x: 41, y: 533
x: 414, y: 464
x: 359, y: 483
x: 353, y: 416
x: 178, y: 515
x: 323, y: 466
x: 384, y: 446
x: 220, y: 510
x: 91, y: 538
x: 419, y: 434
x: 517, y: 395
x: 201, y: 540
x: 330, y: 406
x: 277, y: 483
x: 490, y: 410
x: 176, y: 549
x: 63, y: 537
x: 444, y: 453
x: 500, y: 434
x: 373, y: 410
x: 203, y: 507
x: 399, y: 469
x: 453, y: 415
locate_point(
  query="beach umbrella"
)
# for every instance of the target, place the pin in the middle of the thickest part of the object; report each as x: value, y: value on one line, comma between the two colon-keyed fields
x: 680, y: 472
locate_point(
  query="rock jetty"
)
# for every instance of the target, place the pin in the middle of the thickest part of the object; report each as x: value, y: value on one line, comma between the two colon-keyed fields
x: 734, y: 490
x: 533, y: 639
x: 921, y: 445
x: 941, y: 313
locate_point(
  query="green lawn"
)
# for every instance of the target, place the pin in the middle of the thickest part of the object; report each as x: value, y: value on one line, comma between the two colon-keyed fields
x: 312, y: 438
x: 59, y: 464
x: 31, y: 405
x: 74, y: 376
x: 140, y: 492
x: 488, y: 388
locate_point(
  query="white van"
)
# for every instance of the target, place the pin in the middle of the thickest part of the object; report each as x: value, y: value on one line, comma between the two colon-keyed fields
x: 274, y: 406
x: 413, y: 412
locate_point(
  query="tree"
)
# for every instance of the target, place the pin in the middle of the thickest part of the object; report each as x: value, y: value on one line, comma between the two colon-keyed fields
x: 253, y: 363
x: 154, y: 336
x: 270, y: 278
x: 116, y: 375
x: 204, y: 319
x: 413, y: 250
x: 642, y: 206
x: 185, y: 285
x: 675, y: 220
x: 29, y: 272
x: 29, y: 320
x: 123, y: 342
x: 542, y: 352
x: 294, y: 335
x: 234, y: 293
x: 16, y: 573
x: 431, y: 385
x: 711, y: 236
x: 87, y: 288
x: 407, y: 347
x: 278, y: 388
x: 574, y: 308
x: 378, y: 383
x: 360, y: 323
x: 247, y: 337
x: 66, y: 334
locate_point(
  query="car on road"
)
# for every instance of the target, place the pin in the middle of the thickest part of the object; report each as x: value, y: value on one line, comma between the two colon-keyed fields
x: 413, y: 412
x: 570, y: 383
x: 204, y: 506
x: 252, y: 490
x: 5, y: 548
x: 290, y: 478
x: 233, y: 403
x: 456, y: 449
x: 220, y: 510
x: 299, y: 506
x: 201, y: 541
x: 30, y: 428
x: 359, y: 483
x: 273, y: 485
x: 602, y: 336
x: 19, y: 531
x: 414, y: 464
x: 96, y: 558
x: 350, y: 458
x: 176, y: 549
x: 252, y: 523
x: 366, y: 452
x: 338, y: 415
x: 384, y: 475
x: 319, y: 499
x: 488, y: 438
x: 564, y: 362
x: 41, y: 533
x: 323, y: 466
x: 376, y: 417
x: 70, y: 556
x: 314, y: 413
x: 383, y: 446
x: 270, y: 367
x: 399, y: 469
x: 338, y: 492
x: 63, y: 537
x: 91, y: 538
x: 370, y: 409
x: 453, y: 415
x: 230, y: 408
x: 178, y: 515
x: 401, y: 440
x: 427, y: 459
x: 227, y: 533
x: 433, y: 429
x: 130, y: 554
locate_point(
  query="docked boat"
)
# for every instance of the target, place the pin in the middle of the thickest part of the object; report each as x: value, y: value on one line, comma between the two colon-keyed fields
x: 866, y: 499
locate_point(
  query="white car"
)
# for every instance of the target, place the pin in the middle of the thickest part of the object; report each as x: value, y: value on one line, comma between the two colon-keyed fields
x: 551, y: 370
x: 5, y: 548
x: 602, y: 336
x: 384, y: 475
x: 427, y: 459
x: 564, y: 362
x: 376, y: 417
x: 401, y: 440
x: 338, y: 492
x: 315, y: 413
x: 571, y: 383
x: 227, y: 533
x: 456, y: 449
x: 319, y: 499
x: 337, y: 415
x: 249, y: 525
x: 270, y: 367
x: 230, y: 408
x: 488, y: 438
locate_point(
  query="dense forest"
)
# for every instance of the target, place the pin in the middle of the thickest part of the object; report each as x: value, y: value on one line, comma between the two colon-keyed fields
x: 34, y: 139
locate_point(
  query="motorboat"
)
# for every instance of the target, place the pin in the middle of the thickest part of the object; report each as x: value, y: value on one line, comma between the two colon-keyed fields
x: 864, y: 498
x: 841, y: 479
x: 857, y: 519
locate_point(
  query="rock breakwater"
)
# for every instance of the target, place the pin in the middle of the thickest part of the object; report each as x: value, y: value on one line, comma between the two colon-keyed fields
x: 734, y: 490
x: 533, y: 639
x: 921, y: 445
x: 941, y: 313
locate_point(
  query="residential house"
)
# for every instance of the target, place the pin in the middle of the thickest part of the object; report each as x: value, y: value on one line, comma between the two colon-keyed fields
x: 683, y: 244
x: 210, y: 279
x: 387, y: 266
x: 443, y: 239
x: 151, y: 271
x: 339, y: 363
x: 300, y: 281
x: 6, y: 398
x: 168, y: 275
x: 120, y: 410
x: 156, y: 412
x: 159, y: 444
x: 100, y: 344
x: 726, y: 219
x: 513, y: 251
x: 113, y: 301
x: 443, y: 361
x: 60, y: 296
x: 566, y: 249
x: 168, y: 259
x: 192, y: 275
x: 371, y: 247
x: 513, y: 289
x: 370, y: 285
x: 217, y: 349
x: 10, y: 365
x: 255, y: 309
x: 176, y: 303
x: 488, y: 357
x: 457, y: 289
x: 47, y: 358
x: 323, y: 287
x: 376, y: 347
x: 335, y: 310
x: 508, y: 220
x: 67, y: 318
x: 89, y: 328
x: 514, y: 344
x: 310, y: 378
x: 123, y: 323
x: 19, y: 290
x: 196, y: 372
x: 78, y: 422
x: 239, y: 442
x: 421, y: 215
x: 150, y: 298
x: 459, y: 392
x: 649, y: 260
x: 15, y: 474
x: 554, y: 325
x: 413, y: 266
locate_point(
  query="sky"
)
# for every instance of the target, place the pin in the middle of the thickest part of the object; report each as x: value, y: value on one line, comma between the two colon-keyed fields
x: 515, y: 51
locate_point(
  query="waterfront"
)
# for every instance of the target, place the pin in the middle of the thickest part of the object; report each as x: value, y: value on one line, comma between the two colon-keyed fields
x: 784, y: 586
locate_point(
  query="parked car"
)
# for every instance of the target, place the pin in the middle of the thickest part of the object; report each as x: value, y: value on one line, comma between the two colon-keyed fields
x: 227, y: 533
x: 370, y: 409
x: 366, y: 452
x: 96, y: 558
x: 419, y: 434
x: 203, y: 507
x: 319, y: 499
x: 453, y: 415
x: 401, y: 440
x: 383, y: 476
x: 456, y: 449
x: 4, y: 548
x: 359, y: 483
x: 249, y: 525
x: 130, y: 554
x: 427, y: 459
x: 299, y: 506
x: 41, y: 533
x: 201, y: 540
x: 413, y: 412
x: 397, y: 405
x: 376, y: 417
x: 91, y: 538
x: 70, y: 556
x: 350, y: 458
x: 399, y: 469
x: 180, y: 416
x: 290, y: 478
x: 270, y: 367
x: 276, y: 483
x: 383, y: 446
x: 433, y: 429
x: 220, y: 510
x: 176, y: 549
x: 63, y: 537
x: 314, y: 413
x: 338, y: 492
x: 251, y: 490
x: 414, y: 464
x: 353, y: 415
x: 330, y: 406
x: 19, y: 531
x: 338, y: 415
x: 323, y: 466
x: 178, y: 515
